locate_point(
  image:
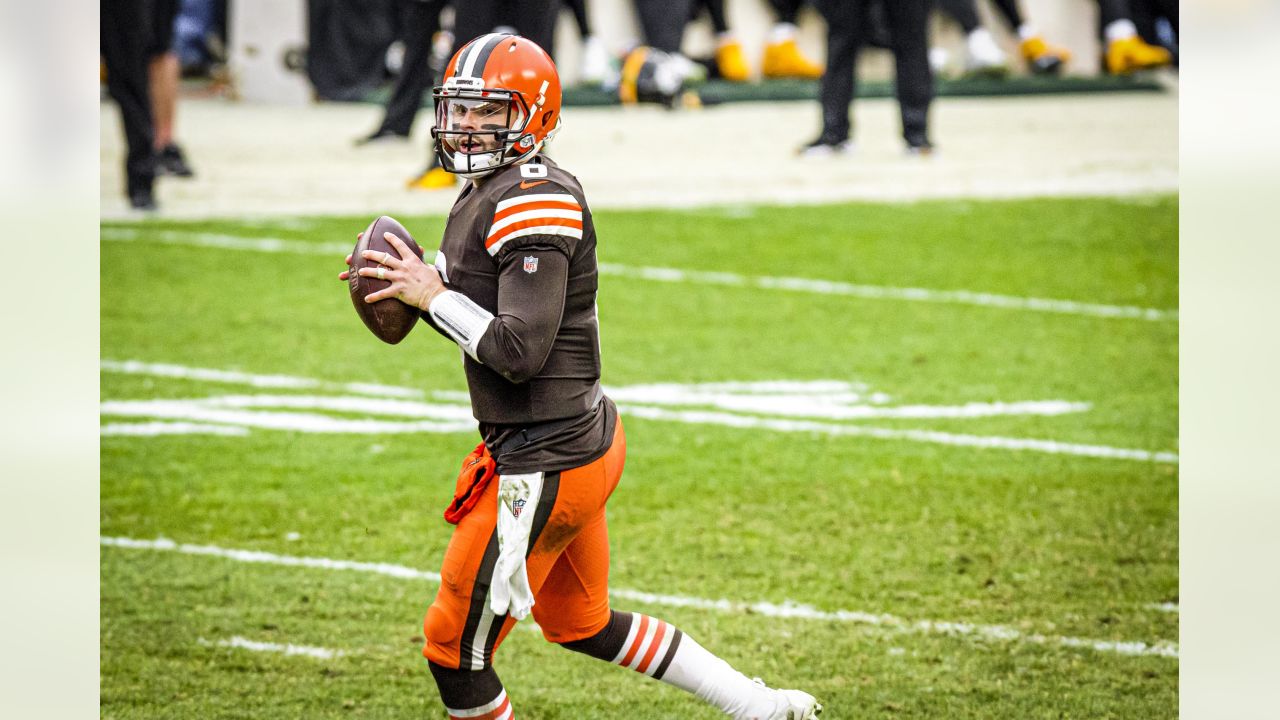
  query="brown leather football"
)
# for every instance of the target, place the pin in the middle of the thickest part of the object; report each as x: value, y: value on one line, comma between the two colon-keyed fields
x: 389, y: 319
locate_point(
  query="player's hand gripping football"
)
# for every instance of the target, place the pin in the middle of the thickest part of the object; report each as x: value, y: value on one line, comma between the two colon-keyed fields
x: 413, y: 282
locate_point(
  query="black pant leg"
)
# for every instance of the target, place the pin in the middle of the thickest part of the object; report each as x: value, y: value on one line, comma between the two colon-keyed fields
x: 1012, y: 15
x: 908, y: 22
x: 472, y: 19
x: 1112, y: 10
x: 845, y: 20
x: 786, y: 10
x: 579, y: 8
x: 536, y: 20
x: 663, y: 21
x: 124, y: 27
x: 421, y: 22
x: 965, y: 12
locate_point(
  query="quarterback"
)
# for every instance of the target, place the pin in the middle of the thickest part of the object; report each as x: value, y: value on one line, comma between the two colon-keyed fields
x: 514, y: 285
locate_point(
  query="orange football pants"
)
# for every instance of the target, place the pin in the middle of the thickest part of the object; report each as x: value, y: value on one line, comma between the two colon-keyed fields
x: 567, y: 564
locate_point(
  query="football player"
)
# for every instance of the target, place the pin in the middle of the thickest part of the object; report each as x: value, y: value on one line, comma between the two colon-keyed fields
x: 514, y: 285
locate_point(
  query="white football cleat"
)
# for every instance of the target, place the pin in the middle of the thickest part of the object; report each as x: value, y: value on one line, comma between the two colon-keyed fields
x: 796, y: 705
x: 790, y: 704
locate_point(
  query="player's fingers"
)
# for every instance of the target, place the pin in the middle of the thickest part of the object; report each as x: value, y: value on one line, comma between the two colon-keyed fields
x: 344, y: 275
x: 380, y: 272
x: 383, y: 294
x: 400, y: 247
x: 383, y: 258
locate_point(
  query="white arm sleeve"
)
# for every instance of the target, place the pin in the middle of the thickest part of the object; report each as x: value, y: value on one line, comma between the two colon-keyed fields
x: 463, y: 320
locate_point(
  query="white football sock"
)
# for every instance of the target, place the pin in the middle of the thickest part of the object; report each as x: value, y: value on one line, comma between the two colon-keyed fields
x: 695, y: 670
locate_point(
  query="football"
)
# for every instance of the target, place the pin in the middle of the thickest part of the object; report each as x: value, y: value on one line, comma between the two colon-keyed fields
x: 389, y: 319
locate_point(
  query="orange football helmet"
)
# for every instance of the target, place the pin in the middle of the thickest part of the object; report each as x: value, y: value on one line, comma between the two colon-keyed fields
x: 498, y: 105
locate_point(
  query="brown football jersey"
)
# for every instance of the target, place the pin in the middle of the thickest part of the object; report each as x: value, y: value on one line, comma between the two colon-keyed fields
x: 522, y: 246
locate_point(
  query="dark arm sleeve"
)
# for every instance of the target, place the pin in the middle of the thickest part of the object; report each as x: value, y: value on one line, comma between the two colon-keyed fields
x: 530, y: 306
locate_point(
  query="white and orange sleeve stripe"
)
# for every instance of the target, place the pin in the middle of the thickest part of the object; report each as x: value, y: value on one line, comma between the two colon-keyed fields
x: 541, y: 214
x: 647, y: 644
x: 498, y: 709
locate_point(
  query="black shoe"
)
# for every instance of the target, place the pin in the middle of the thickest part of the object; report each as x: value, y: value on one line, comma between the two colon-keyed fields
x: 143, y: 200
x: 824, y: 147
x: 922, y: 148
x: 170, y: 161
x: 382, y: 136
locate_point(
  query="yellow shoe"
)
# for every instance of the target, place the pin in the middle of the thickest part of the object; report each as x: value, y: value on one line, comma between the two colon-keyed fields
x: 1043, y: 58
x: 731, y: 62
x: 1128, y: 54
x: 783, y: 60
x: 437, y: 178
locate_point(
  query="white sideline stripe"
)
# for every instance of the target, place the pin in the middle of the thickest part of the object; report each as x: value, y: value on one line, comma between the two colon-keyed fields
x: 701, y: 417
x: 663, y: 274
x: 288, y: 649
x: 787, y: 610
x: 1164, y: 607
x: 152, y: 429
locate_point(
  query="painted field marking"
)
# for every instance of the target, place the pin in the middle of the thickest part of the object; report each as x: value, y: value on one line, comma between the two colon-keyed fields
x: 676, y: 275
x: 787, y: 610
x: 287, y: 649
x: 783, y: 399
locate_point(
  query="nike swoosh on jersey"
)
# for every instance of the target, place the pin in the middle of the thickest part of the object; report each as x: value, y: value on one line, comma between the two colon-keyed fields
x: 525, y: 184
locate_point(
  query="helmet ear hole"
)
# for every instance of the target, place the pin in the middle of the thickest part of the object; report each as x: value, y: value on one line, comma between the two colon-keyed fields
x: 546, y: 117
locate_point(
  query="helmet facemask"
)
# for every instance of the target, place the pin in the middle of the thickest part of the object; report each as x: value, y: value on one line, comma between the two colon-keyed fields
x: 479, y: 130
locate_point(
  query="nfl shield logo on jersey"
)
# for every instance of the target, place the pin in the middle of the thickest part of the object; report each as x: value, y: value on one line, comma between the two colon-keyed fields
x: 517, y: 505
x: 531, y: 264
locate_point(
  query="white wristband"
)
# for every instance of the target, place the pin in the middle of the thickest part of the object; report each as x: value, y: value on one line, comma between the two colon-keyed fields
x: 463, y: 320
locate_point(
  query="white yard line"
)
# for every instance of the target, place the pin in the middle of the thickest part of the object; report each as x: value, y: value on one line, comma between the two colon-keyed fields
x: 153, y: 429
x: 702, y: 417
x: 882, y: 292
x: 289, y: 382
x: 663, y: 274
x: 287, y: 649
x: 785, y: 610
x: 454, y: 416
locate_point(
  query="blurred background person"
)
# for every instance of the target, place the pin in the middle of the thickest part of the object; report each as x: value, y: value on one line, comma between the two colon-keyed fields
x: 163, y: 72
x: 1125, y: 50
x: 782, y: 56
x: 123, y: 35
x: 848, y: 24
x: 730, y: 61
x: 1157, y: 23
x: 985, y: 58
x: 419, y: 25
x: 595, y: 57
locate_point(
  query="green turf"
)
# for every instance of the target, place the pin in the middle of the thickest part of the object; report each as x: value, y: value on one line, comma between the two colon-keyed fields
x: 1049, y: 545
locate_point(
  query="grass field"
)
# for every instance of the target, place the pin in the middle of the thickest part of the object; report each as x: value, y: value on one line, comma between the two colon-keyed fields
x: 986, y: 487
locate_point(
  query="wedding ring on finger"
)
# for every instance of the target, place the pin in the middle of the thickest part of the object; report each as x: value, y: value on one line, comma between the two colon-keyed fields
x: 382, y: 273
